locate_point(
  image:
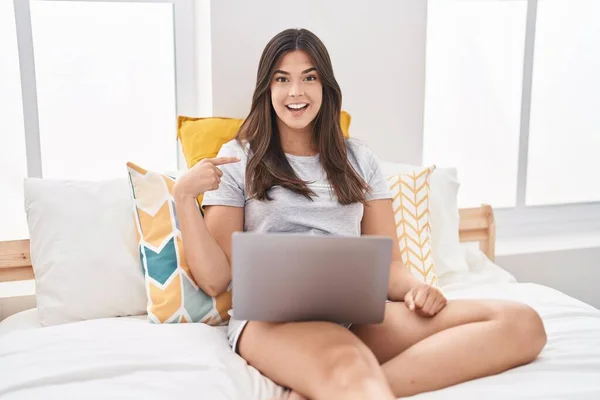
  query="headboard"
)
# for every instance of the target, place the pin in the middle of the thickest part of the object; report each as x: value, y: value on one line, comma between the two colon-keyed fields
x: 476, y: 225
x: 15, y: 262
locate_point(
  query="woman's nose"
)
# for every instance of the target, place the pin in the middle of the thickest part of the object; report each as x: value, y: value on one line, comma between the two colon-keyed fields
x: 295, y: 90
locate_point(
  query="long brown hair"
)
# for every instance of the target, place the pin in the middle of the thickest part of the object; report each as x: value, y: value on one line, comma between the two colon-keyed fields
x: 268, y: 165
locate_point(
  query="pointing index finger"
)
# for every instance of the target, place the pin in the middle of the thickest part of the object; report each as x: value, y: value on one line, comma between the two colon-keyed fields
x: 223, y: 160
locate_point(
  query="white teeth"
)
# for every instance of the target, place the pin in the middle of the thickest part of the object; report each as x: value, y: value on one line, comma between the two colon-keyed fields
x: 297, y: 106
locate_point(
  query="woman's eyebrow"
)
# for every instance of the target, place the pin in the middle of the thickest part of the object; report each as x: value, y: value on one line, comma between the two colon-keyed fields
x: 306, y: 71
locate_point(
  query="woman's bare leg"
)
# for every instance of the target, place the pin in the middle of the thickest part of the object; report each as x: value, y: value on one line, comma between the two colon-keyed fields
x: 296, y: 396
x: 290, y: 395
x: 318, y: 360
x: 468, y: 339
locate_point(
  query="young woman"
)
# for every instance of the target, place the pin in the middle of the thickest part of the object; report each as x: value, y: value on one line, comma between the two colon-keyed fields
x: 291, y: 170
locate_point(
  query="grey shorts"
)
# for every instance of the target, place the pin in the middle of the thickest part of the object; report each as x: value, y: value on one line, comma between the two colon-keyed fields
x: 234, y: 331
x: 236, y: 327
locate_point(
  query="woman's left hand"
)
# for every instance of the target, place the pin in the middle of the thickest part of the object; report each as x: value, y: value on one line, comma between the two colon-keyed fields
x: 425, y: 300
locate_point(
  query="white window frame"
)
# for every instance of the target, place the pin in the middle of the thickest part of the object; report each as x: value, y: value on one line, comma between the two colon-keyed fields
x: 523, y: 221
x: 185, y: 72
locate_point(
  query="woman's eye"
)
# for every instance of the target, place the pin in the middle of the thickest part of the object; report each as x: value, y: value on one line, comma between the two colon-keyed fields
x: 311, y: 78
x: 281, y: 79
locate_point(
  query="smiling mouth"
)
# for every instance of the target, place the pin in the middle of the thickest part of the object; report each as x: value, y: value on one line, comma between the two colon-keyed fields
x: 296, y: 107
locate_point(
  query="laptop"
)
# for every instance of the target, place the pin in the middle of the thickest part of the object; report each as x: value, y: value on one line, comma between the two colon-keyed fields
x: 285, y: 277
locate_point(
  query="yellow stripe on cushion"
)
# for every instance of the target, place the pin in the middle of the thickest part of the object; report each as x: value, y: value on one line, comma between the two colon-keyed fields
x: 165, y: 303
x: 418, y: 255
x: 137, y: 168
x: 155, y: 229
x: 417, y: 242
x: 224, y: 304
x: 412, y: 203
x: 170, y: 183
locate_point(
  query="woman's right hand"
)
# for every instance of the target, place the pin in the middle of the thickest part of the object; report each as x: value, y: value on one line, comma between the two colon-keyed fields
x: 202, y: 177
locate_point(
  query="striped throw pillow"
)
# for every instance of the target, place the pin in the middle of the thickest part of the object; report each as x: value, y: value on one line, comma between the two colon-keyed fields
x: 173, y: 295
x: 410, y: 193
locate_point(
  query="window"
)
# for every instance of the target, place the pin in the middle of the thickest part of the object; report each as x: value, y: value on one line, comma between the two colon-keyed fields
x: 13, y: 161
x: 107, y: 94
x: 511, y: 100
x: 93, y: 100
x: 474, y: 64
x: 564, y: 133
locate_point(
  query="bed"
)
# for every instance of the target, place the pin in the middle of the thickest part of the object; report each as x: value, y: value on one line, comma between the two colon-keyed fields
x: 127, y: 357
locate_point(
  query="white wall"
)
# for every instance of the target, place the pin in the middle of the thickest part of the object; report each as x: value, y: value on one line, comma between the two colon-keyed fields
x: 378, y: 54
x: 574, y: 272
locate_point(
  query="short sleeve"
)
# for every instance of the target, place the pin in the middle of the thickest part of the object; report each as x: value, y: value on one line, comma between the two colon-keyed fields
x: 380, y: 188
x: 370, y: 167
x: 231, y: 191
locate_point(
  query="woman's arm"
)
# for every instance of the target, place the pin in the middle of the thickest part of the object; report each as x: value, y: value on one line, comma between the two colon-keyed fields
x: 378, y: 219
x: 207, y: 241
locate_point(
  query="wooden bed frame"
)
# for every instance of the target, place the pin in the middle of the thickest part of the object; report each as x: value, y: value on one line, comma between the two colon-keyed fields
x: 476, y: 225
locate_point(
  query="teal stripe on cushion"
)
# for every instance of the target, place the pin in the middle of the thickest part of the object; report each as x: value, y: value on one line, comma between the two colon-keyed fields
x: 162, y: 265
x: 195, y: 301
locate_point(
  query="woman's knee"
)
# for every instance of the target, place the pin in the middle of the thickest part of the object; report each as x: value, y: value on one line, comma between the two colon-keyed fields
x: 526, y: 328
x: 347, y: 366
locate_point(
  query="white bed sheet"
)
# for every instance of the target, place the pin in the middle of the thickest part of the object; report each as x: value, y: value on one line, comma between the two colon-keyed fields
x: 23, y: 320
x: 128, y: 357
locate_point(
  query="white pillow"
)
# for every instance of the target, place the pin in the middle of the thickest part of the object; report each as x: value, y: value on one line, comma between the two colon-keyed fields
x: 83, y: 250
x: 448, y: 256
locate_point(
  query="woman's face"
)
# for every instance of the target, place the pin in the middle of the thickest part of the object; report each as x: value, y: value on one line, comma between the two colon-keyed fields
x: 296, y: 90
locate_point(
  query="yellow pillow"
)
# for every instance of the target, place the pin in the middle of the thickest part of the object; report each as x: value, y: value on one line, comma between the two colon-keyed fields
x: 412, y: 214
x: 203, y: 137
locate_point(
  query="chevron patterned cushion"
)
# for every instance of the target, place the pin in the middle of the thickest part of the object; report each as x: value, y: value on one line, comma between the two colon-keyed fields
x: 411, y: 210
x: 173, y: 295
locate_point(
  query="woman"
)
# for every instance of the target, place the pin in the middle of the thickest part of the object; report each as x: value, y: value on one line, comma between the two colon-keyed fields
x: 290, y: 169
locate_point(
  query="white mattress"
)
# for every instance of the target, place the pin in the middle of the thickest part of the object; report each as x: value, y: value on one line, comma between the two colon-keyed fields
x: 128, y: 357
